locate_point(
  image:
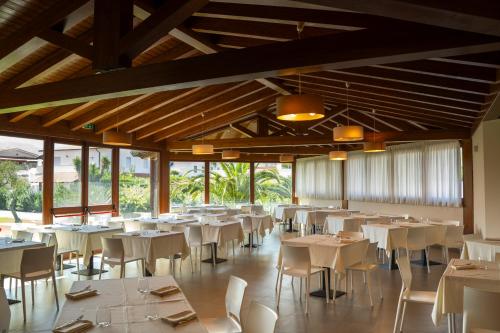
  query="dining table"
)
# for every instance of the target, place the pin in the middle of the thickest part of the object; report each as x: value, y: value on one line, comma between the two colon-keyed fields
x: 478, y: 248
x: 332, y: 253
x: 450, y: 291
x: 129, y: 309
x: 315, y: 218
x: 287, y: 213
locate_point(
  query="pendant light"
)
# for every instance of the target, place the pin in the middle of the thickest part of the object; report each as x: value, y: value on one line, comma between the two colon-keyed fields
x: 373, y: 146
x: 337, y: 155
x: 115, y: 137
x: 300, y: 107
x: 230, y: 154
x: 286, y: 158
x: 202, y: 149
x: 349, y: 132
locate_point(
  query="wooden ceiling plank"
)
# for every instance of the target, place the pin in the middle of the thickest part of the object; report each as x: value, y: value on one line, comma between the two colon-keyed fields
x: 360, y: 48
x: 64, y: 112
x: 434, y: 13
x: 168, y: 16
x: 69, y: 43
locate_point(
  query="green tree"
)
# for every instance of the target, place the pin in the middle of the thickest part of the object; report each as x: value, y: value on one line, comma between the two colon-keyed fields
x: 13, y: 188
x: 187, y: 188
x: 231, y: 184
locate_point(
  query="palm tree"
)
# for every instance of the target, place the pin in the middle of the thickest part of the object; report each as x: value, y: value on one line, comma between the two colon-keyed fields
x: 231, y: 185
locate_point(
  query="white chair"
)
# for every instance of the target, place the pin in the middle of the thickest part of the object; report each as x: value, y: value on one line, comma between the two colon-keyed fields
x: 234, y: 297
x: 64, y: 246
x: 416, y: 241
x: 350, y: 234
x: 283, y: 237
x: 367, y: 267
x: 36, y: 264
x: 4, y: 312
x: 481, y: 310
x: 407, y: 295
x: 260, y: 319
x: 453, y: 239
x: 22, y: 235
x: 296, y: 262
x: 195, y: 240
x: 113, y: 253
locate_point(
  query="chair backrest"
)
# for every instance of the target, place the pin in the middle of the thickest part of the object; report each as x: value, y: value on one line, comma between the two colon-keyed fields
x: 405, y: 271
x: 296, y: 257
x: 195, y: 235
x: 437, y: 234
x: 416, y: 239
x: 164, y: 227
x: 4, y: 312
x: 112, y: 248
x: 481, y: 309
x: 22, y: 234
x: 350, y: 234
x: 371, y: 253
x: 234, y: 296
x: 454, y: 234
x: 260, y: 319
x: 49, y: 239
x: 148, y: 226
x: 132, y: 226
x: 36, y: 260
x: 178, y: 228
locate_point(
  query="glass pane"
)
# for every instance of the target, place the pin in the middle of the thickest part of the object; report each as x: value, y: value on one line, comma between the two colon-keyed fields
x: 135, y: 183
x: 273, y: 184
x: 67, y: 175
x: 99, y: 176
x: 21, y: 180
x: 229, y: 183
x: 187, y: 184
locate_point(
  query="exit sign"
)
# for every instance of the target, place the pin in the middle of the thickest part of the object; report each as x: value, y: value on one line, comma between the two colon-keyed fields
x: 88, y: 126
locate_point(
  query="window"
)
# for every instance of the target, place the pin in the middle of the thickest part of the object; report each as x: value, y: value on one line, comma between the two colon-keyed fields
x: 319, y: 178
x: 67, y: 175
x: 100, y: 160
x: 273, y: 184
x: 229, y: 183
x: 21, y: 180
x: 137, y: 183
x: 187, y: 184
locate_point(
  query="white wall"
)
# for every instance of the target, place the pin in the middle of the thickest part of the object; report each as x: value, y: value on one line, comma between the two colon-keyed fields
x: 486, y: 159
x: 320, y: 203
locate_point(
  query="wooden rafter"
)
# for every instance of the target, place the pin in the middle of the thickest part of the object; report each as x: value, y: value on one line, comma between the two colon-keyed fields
x: 69, y: 43
x: 243, y: 130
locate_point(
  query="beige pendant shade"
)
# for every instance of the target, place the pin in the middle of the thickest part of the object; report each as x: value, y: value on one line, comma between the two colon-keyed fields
x: 348, y: 133
x: 286, y: 158
x: 203, y: 149
x: 337, y: 155
x: 373, y: 147
x: 299, y: 107
x: 230, y: 154
x: 116, y: 138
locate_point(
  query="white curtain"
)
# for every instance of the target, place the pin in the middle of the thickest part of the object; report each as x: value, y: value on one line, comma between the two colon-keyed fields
x: 378, y: 177
x: 318, y: 178
x: 356, y: 176
x: 407, y: 174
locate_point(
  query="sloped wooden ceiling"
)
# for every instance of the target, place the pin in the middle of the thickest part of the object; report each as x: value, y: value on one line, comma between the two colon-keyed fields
x: 175, y: 71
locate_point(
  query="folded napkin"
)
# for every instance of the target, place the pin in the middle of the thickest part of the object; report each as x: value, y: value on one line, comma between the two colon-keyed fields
x: 74, y: 327
x: 462, y: 266
x: 165, y: 291
x: 135, y: 234
x: 82, y: 294
x: 180, y: 318
x: 18, y: 241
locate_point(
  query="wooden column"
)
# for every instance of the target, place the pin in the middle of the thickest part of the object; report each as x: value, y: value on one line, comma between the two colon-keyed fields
x: 164, y: 190
x: 85, y: 179
x: 345, y: 202
x: 48, y: 181
x: 294, y: 199
x: 468, y: 189
x: 252, y: 182
x: 153, y: 186
x: 207, y: 182
x: 115, y: 181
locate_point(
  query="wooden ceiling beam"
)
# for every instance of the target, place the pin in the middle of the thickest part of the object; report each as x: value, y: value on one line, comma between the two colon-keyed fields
x: 243, y: 130
x: 331, y: 52
x: 250, y: 157
x: 74, y: 45
x: 392, y: 136
x: 64, y: 112
x: 235, y: 115
x: 462, y: 15
x: 168, y: 16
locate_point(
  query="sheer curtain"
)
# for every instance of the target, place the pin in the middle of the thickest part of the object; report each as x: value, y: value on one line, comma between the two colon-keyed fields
x: 319, y: 178
x: 442, y: 164
x: 407, y: 173
x: 356, y: 176
x: 378, y: 177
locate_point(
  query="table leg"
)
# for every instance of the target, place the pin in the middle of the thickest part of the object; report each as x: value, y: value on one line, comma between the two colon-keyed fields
x: 90, y: 270
x: 451, y: 323
x: 250, y: 242
x: 423, y: 262
x: 58, y: 264
x: 290, y: 226
x: 391, y: 264
x: 213, y: 258
x: 314, y: 229
x: 326, y: 284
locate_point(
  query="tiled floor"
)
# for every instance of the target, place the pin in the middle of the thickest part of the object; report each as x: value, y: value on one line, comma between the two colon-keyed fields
x: 206, y: 292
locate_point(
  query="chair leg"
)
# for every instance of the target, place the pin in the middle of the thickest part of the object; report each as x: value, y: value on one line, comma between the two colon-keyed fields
x: 233, y: 248
x: 300, y: 289
x: 62, y: 264
x: 55, y: 289
x: 334, y: 286
x: 15, y: 286
x: 427, y: 259
x: 308, y: 290
x: 402, y: 317
x: 279, y: 289
x: 369, y: 286
x: 191, y: 258
x: 277, y: 281
x: 23, y: 292
x: 78, y: 265
x: 327, y: 292
x: 398, y: 312
x: 101, y: 267
x: 446, y: 255
x: 201, y: 255
x: 32, y: 294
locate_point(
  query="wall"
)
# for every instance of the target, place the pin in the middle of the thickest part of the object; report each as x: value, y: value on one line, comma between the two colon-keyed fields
x: 486, y: 159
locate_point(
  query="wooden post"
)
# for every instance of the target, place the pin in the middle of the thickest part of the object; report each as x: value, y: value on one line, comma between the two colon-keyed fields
x: 468, y: 187
x: 115, y: 181
x: 85, y: 180
x: 345, y: 202
x: 252, y: 182
x: 207, y: 182
x: 48, y: 181
x: 294, y: 199
x: 153, y: 186
x: 164, y: 190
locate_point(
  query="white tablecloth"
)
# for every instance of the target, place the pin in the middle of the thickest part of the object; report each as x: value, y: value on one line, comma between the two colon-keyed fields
x: 204, y: 218
x: 152, y: 224
x: 252, y: 209
x: 389, y: 237
x: 449, y: 297
x: 284, y: 213
x: 326, y: 251
x: 152, y: 245
x: 221, y: 232
x: 128, y: 307
x: 266, y: 222
x: 11, y: 254
x: 479, y: 248
x: 334, y: 224
x: 85, y: 239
